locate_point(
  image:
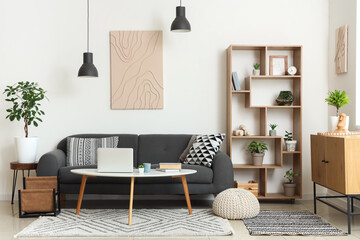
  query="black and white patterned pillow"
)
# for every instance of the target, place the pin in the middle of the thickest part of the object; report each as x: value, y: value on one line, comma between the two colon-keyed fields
x: 83, y: 151
x: 204, y: 149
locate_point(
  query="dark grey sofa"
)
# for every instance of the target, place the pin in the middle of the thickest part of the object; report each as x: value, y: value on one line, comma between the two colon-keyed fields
x: 147, y: 148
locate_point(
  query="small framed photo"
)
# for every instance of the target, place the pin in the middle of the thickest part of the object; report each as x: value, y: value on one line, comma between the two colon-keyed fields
x: 278, y: 65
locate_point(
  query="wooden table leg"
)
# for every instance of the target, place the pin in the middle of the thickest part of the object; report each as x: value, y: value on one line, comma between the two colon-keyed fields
x: 131, y: 199
x: 81, y: 193
x: 186, y: 192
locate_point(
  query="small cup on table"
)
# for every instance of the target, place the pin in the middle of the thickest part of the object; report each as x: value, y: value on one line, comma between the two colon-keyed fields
x: 147, y: 167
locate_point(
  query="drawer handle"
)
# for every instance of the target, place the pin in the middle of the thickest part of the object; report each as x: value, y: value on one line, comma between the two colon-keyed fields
x: 324, y: 161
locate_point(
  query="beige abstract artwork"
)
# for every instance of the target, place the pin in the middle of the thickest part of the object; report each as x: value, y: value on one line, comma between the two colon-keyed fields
x: 136, y: 70
x: 341, y: 50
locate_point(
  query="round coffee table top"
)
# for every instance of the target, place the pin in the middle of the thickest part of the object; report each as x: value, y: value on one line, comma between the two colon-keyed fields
x: 23, y: 166
x: 153, y: 173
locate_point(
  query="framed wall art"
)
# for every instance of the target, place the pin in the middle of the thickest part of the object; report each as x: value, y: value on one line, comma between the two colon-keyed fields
x: 341, y: 49
x: 136, y: 70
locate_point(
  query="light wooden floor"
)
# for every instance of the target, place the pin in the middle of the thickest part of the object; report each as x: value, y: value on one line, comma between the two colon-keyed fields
x: 10, y: 223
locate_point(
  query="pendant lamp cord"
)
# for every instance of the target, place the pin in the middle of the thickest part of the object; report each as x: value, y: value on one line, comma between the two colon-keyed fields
x: 180, y: 3
x: 88, y: 22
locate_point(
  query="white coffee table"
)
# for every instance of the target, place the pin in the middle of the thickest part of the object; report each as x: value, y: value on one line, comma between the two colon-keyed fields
x: 154, y: 173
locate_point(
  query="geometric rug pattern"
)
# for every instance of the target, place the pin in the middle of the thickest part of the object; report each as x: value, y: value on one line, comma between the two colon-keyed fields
x: 290, y: 223
x: 114, y: 223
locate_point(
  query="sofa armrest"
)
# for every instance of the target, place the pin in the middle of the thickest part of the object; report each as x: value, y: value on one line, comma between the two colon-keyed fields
x: 50, y: 163
x: 223, y: 172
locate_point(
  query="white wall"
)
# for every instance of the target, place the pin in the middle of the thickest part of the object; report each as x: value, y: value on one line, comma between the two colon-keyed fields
x: 341, y: 13
x: 44, y: 40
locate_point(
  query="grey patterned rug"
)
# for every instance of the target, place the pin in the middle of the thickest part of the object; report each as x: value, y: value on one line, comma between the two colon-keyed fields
x: 113, y: 223
x: 290, y: 223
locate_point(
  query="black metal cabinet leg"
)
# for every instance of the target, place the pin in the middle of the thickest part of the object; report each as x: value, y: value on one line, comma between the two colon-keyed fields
x: 14, y: 186
x: 314, y: 197
x: 352, y: 204
x: 349, y: 214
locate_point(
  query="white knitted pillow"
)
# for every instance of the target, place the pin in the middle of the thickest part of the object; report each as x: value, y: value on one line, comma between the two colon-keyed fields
x: 236, y: 203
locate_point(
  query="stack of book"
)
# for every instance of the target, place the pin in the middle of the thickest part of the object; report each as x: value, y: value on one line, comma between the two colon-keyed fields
x: 170, y: 167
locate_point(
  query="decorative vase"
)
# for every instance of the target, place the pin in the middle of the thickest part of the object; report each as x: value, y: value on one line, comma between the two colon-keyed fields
x: 141, y: 170
x: 289, y: 189
x: 285, y: 98
x: 258, y: 158
x: 272, y: 132
x: 291, y: 145
x: 26, y: 149
x: 256, y: 72
x: 333, y: 122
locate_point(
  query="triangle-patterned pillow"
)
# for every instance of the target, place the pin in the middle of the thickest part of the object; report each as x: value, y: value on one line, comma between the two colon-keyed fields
x: 204, y: 149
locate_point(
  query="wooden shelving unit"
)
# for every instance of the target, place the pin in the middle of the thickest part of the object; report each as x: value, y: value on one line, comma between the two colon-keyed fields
x: 246, y: 96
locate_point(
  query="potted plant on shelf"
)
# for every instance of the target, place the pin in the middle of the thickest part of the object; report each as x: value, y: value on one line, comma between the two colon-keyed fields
x: 256, y: 70
x: 272, y: 132
x: 289, y: 187
x: 337, y: 99
x: 285, y: 98
x: 290, y: 142
x: 141, y: 168
x: 257, y: 150
x: 25, y: 98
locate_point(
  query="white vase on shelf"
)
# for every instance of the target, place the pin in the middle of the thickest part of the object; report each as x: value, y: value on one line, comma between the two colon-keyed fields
x: 333, y: 122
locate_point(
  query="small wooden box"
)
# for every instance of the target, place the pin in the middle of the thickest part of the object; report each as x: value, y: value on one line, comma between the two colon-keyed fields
x: 252, y: 187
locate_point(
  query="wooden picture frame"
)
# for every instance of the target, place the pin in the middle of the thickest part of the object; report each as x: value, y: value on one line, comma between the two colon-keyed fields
x: 278, y: 65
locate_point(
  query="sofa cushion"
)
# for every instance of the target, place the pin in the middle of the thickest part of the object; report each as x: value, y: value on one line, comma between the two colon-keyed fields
x: 204, y: 175
x: 125, y: 141
x: 83, y: 151
x: 204, y: 149
x: 161, y: 148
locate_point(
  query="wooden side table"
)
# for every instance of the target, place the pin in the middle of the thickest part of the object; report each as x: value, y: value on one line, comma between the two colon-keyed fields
x: 16, y: 166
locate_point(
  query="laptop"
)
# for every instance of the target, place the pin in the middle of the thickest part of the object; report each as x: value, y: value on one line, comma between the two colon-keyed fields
x: 119, y: 160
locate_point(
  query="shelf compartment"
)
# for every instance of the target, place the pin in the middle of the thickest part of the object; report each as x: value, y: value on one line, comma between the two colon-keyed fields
x: 241, y: 166
x: 279, y: 107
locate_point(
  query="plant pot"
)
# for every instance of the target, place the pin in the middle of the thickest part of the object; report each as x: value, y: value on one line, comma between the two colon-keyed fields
x: 26, y: 149
x: 272, y: 132
x: 141, y: 170
x: 256, y: 72
x: 289, y: 189
x: 258, y: 158
x: 285, y: 98
x: 333, y: 122
x: 291, y: 145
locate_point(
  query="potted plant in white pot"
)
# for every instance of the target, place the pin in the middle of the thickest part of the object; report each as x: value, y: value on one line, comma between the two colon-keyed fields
x: 337, y: 99
x: 289, y: 187
x: 272, y: 132
x: 257, y: 150
x: 290, y: 142
x: 256, y: 70
x: 25, y: 98
x: 141, y: 169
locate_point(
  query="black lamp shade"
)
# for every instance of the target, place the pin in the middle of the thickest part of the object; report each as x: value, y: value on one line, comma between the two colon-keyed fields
x: 180, y: 23
x: 88, y: 69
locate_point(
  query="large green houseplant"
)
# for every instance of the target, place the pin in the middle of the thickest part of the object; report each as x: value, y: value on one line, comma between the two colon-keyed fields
x: 25, y: 98
x: 338, y: 99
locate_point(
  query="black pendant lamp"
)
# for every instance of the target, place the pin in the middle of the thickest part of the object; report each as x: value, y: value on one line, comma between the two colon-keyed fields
x: 88, y: 69
x: 180, y: 23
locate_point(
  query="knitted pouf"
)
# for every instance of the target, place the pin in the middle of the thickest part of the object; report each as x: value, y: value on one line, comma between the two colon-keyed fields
x: 236, y: 203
